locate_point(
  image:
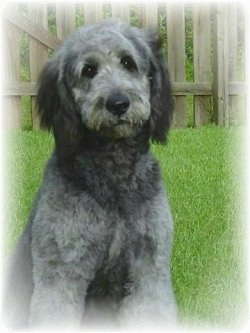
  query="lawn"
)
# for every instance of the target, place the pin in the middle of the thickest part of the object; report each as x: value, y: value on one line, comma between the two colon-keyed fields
x: 201, y: 170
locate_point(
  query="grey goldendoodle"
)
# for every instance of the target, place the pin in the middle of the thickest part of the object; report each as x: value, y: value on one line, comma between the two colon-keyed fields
x: 97, y: 246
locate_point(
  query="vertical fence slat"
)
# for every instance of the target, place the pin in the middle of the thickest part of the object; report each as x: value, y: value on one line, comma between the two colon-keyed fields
x: 11, y: 104
x: 202, y: 64
x: 65, y: 19
x: 38, y: 53
x: 149, y: 15
x: 246, y: 67
x: 220, y: 66
x: 121, y: 11
x: 93, y: 12
x: 176, y: 57
x: 233, y: 106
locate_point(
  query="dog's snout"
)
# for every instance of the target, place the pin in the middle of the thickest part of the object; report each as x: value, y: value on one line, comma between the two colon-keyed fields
x: 118, y: 104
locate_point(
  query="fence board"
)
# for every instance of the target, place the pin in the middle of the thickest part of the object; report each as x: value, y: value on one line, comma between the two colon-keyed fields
x: 179, y: 88
x: 176, y: 57
x: 192, y: 88
x: 38, y: 53
x: 93, y: 12
x: 149, y: 15
x: 121, y: 11
x: 220, y: 85
x: 202, y: 65
x: 246, y: 105
x: 65, y: 19
x: 233, y: 104
x: 19, y: 88
x: 11, y: 104
x: 11, y: 14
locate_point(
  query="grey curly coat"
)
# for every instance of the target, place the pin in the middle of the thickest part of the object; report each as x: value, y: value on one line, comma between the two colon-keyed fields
x: 97, y: 247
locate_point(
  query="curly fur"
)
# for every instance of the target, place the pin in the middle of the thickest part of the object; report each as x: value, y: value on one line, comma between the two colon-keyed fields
x: 97, y: 246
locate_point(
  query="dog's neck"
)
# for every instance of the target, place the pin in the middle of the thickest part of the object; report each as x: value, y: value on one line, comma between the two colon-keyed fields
x: 108, y: 169
x: 111, y: 155
x: 90, y: 145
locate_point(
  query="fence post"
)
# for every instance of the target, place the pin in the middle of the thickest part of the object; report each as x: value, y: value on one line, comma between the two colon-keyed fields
x: 220, y: 66
x: 12, y: 118
x: 202, y: 64
x: 38, y: 53
x: 176, y: 57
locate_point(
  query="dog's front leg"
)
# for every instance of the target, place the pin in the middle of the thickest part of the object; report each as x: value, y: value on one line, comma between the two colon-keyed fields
x: 150, y: 303
x: 58, y: 300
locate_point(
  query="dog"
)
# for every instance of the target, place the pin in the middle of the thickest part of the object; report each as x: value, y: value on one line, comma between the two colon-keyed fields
x: 97, y: 246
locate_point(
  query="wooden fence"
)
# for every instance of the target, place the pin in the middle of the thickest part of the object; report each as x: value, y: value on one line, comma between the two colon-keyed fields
x: 204, y: 48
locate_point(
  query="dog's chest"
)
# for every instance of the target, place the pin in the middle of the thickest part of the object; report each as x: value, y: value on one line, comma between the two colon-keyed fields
x: 113, y: 203
x: 126, y: 242
x: 96, y: 218
x: 112, y: 277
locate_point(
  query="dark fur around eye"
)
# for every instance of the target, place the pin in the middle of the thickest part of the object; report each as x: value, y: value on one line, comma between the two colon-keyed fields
x: 89, y: 70
x: 129, y: 64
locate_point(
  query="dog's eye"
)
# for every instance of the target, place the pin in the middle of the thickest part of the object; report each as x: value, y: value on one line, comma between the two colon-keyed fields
x: 89, y: 70
x: 129, y: 64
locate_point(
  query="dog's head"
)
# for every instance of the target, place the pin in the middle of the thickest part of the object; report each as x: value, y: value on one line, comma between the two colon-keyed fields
x: 109, y: 78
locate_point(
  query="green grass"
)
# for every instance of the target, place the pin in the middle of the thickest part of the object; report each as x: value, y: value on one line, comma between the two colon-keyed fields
x: 25, y: 161
x: 201, y: 169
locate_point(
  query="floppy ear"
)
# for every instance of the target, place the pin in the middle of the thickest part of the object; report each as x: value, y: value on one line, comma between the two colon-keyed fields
x: 57, y: 108
x: 160, y: 92
x: 48, y: 99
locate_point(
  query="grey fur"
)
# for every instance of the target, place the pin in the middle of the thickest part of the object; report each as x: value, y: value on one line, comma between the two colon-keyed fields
x: 97, y: 246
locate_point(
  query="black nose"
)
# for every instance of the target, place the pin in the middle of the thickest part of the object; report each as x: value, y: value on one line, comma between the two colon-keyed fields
x: 117, y: 104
